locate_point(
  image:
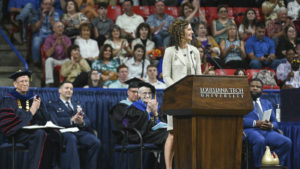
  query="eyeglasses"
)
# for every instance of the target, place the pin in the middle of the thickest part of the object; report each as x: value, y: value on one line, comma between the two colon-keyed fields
x: 23, y: 81
x: 147, y: 93
x: 223, y: 11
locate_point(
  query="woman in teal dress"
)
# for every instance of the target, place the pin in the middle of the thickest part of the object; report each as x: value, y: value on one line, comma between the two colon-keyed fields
x: 220, y: 26
x: 106, y: 65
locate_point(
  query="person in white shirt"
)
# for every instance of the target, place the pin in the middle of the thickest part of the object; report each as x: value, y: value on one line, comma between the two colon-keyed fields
x: 293, y: 8
x: 152, y: 78
x: 89, y: 49
x: 129, y: 21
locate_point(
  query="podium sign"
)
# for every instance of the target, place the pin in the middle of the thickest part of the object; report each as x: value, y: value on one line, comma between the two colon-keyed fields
x: 208, y: 120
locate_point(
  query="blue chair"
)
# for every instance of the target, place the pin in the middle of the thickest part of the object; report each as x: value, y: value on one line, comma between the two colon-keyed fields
x: 12, y: 146
x: 124, y: 147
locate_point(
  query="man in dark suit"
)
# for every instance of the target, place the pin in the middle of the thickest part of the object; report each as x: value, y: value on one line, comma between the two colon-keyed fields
x: 261, y: 133
x: 69, y: 113
x: 20, y: 108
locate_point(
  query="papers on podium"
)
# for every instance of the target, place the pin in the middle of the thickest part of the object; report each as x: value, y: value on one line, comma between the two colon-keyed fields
x: 267, y: 115
x: 160, y: 125
x: 49, y: 124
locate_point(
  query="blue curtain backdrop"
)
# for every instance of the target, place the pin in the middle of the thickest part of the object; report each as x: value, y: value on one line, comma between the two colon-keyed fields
x: 98, y: 102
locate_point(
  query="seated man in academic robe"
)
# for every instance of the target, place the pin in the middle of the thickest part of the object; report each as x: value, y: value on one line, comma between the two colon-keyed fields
x: 20, y: 108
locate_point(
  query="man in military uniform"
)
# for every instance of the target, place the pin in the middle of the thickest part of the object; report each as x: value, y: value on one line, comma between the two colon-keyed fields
x: 68, y: 113
x: 20, y: 108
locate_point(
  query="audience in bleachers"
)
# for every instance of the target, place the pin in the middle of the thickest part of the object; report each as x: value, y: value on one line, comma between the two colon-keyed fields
x: 286, y: 41
x: 188, y: 12
x: 129, y: 21
x: 94, y: 80
x: 137, y: 65
x: 159, y: 23
x: 122, y: 73
x: 121, y: 48
x: 293, y: 9
x: 55, y: 47
x: 247, y: 27
x: 205, y: 66
x: 233, y: 49
x: 106, y: 65
x: 270, y: 9
x: 88, y: 8
x: 41, y: 26
x: 275, y: 28
x: 75, y: 70
x: 59, y: 6
x: 143, y: 36
x: 152, y: 77
x: 110, y: 2
x: 240, y: 72
x: 102, y: 24
x: 219, y: 26
x: 261, y: 49
x: 72, y: 19
x: 89, y: 49
x: 211, y: 47
x: 288, y: 72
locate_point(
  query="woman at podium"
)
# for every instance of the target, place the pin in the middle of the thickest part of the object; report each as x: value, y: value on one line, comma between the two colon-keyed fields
x: 180, y: 59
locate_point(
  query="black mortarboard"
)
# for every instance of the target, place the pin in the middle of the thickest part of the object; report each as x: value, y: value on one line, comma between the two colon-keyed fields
x: 19, y: 73
x: 133, y: 83
x: 145, y: 84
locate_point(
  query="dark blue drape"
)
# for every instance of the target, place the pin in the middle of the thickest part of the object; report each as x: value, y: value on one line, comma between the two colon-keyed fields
x: 98, y: 102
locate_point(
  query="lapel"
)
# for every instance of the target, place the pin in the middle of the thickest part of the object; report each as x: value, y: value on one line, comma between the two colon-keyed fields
x: 65, y: 108
x: 178, y: 55
x: 192, y: 58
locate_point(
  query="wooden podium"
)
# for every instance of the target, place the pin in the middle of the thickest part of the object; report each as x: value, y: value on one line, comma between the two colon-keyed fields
x: 208, y: 120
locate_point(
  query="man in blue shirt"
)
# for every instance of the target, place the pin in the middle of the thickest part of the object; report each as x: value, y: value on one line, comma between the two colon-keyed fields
x: 41, y: 25
x: 159, y: 24
x: 261, y: 49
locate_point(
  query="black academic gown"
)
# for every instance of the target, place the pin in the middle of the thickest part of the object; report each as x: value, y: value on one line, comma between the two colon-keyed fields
x: 44, y: 144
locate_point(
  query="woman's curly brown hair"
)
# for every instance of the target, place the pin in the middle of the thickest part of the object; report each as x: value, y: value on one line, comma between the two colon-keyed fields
x: 177, y: 32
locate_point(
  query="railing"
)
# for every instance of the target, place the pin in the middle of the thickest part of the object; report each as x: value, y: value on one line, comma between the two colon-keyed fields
x: 14, y: 49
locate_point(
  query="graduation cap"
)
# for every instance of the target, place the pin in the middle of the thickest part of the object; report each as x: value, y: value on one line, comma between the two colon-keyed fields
x: 19, y: 73
x: 133, y: 83
x: 145, y: 84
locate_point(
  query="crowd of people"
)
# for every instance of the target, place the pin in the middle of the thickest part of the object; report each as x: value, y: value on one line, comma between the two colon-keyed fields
x: 139, y: 42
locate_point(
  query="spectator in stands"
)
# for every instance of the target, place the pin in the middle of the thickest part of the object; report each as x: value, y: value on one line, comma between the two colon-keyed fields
x: 75, y: 70
x: 89, y: 49
x: 211, y: 47
x: 220, y: 26
x: 261, y: 49
x: 188, y: 12
x: 211, y: 72
x: 287, y: 40
x: 106, y: 65
x: 275, y: 28
x: 88, y: 8
x: 41, y: 26
x: 24, y: 10
x: 270, y: 9
x: 94, y: 80
x: 159, y: 23
x: 204, y: 64
x: 247, y: 27
x: 143, y: 36
x: 72, y: 19
x: 102, y: 24
x: 152, y: 77
x: 129, y: 21
x: 122, y: 72
x: 233, y: 50
x: 137, y: 65
x: 121, y: 49
x: 70, y: 113
x: 240, y: 72
x: 262, y: 133
x: 134, y: 2
x: 288, y: 73
x: 56, y: 47
x: 293, y: 9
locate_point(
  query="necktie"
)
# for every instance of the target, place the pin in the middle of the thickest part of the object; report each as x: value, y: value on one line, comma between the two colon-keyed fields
x: 258, y: 110
x: 69, y: 106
